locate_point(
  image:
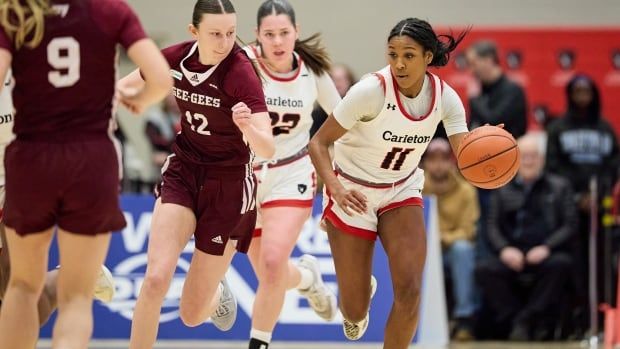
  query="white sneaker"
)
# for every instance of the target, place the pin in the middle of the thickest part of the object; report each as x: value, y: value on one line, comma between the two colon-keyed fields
x: 226, y: 313
x: 321, y: 298
x: 104, y: 289
x: 355, y: 331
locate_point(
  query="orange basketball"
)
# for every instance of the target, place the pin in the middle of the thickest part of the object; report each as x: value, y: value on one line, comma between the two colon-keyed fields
x: 488, y: 157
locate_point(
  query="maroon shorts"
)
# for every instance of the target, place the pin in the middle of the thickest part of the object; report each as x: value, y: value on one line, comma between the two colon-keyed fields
x: 223, y: 200
x: 74, y: 185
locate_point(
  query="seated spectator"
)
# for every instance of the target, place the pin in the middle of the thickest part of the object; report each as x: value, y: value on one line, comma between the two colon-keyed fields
x: 531, y: 224
x: 457, y: 204
x: 343, y: 79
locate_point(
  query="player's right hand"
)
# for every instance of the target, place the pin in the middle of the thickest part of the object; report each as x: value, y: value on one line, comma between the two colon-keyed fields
x: 351, y: 201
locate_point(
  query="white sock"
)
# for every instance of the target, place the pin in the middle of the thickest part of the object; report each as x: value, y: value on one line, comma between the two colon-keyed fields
x: 307, y: 278
x: 261, y: 335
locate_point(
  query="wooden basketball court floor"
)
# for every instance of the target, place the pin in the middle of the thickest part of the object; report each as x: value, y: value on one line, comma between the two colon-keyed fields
x: 116, y: 344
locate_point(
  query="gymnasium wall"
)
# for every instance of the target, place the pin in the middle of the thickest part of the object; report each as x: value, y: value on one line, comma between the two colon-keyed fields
x: 354, y: 32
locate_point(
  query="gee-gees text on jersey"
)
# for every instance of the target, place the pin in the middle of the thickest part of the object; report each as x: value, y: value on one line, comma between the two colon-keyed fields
x: 195, y: 98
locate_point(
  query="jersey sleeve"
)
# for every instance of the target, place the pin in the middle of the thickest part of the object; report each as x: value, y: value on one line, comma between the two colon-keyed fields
x: 363, y: 102
x: 118, y: 20
x: 453, y: 118
x: 328, y: 96
x: 243, y: 84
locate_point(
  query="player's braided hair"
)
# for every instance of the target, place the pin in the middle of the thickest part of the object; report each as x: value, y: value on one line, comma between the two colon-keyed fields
x: 422, y: 32
x: 310, y: 49
x: 23, y: 20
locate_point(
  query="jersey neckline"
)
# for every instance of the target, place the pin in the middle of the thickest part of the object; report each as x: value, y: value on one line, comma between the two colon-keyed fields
x: 271, y: 74
x: 403, y: 110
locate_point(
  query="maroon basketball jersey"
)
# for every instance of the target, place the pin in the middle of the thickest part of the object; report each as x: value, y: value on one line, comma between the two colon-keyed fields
x: 205, y: 95
x: 64, y: 87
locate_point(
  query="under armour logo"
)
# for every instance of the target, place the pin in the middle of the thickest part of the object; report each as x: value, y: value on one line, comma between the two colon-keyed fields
x: 195, y: 78
x: 391, y: 106
x: 218, y: 239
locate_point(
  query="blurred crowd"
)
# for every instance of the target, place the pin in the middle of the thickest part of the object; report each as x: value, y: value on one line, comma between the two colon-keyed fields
x: 516, y: 257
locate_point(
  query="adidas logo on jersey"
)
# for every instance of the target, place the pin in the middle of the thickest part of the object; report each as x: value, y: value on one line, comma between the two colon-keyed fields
x: 194, y: 78
x: 391, y: 106
x: 218, y: 239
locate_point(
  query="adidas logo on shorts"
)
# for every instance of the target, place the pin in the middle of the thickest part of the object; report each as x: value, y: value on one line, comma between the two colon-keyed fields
x: 218, y: 239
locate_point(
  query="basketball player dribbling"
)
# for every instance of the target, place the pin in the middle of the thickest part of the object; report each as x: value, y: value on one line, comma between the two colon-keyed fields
x: 104, y: 290
x: 295, y: 75
x: 380, y: 131
x: 62, y: 169
x: 208, y: 188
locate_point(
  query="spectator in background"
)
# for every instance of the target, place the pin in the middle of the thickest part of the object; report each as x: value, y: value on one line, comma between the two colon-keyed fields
x: 457, y: 204
x: 581, y: 145
x: 531, y: 224
x: 343, y: 79
x: 500, y: 99
x: 161, y: 128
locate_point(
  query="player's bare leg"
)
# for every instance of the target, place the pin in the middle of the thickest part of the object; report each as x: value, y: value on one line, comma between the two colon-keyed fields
x: 81, y: 258
x: 202, y: 291
x: 353, y: 261
x: 171, y: 227
x: 47, y: 302
x: 402, y: 234
x: 19, y: 319
x: 270, y: 255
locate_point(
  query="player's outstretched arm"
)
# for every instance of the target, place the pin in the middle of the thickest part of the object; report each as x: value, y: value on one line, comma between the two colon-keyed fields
x: 156, y: 72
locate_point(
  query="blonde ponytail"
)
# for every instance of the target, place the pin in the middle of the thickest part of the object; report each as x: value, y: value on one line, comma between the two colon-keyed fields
x: 23, y: 20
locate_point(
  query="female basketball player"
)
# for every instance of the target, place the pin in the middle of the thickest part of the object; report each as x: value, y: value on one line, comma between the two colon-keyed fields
x: 380, y: 130
x: 295, y: 74
x: 104, y: 289
x: 62, y: 169
x: 208, y: 186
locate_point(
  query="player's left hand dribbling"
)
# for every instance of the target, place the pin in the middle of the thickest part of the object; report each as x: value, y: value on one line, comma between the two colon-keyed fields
x: 241, y: 115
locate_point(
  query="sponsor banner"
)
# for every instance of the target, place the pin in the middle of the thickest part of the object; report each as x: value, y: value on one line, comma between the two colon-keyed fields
x: 127, y: 260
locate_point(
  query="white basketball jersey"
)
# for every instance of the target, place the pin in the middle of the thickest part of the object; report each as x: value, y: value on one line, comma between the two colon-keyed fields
x: 290, y: 102
x: 6, y: 120
x: 388, y: 148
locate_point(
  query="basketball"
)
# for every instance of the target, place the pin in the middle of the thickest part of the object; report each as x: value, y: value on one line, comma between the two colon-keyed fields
x: 488, y: 157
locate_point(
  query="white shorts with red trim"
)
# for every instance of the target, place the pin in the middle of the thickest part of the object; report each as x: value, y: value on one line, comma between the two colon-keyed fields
x: 380, y: 200
x: 290, y: 185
